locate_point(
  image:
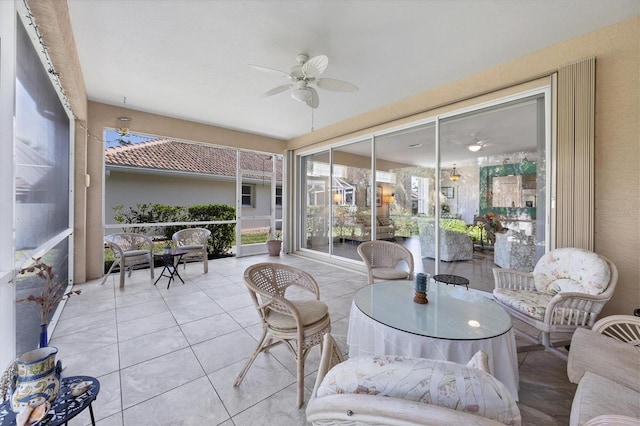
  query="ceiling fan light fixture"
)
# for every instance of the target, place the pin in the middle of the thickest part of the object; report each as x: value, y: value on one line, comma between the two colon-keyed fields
x: 301, y: 95
x: 474, y: 147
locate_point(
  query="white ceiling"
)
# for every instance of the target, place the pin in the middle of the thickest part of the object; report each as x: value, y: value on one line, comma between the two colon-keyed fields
x: 189, y: 58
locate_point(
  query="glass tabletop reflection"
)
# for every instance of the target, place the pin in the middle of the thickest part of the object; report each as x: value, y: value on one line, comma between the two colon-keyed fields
x: 452, y: 313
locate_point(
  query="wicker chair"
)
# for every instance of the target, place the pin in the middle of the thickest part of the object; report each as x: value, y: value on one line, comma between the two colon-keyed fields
x: 567, y: 289
x: 194, y: 241
x: 625, y: 328
x: 299, y: 323
x: 129, y: 250
x: 386, y: 260
x: 364, y: 404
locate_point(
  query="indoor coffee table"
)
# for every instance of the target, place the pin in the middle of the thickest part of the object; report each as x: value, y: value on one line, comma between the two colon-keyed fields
x: 453, y: 326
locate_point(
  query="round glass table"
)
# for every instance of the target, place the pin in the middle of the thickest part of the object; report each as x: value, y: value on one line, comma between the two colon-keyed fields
x: 454, y: 325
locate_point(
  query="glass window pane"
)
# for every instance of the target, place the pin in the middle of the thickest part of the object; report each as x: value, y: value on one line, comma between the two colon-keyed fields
x: 316, y: 201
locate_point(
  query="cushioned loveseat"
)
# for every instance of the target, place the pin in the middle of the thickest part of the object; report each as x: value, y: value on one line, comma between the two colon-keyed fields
x: 361, y: 230
x: 567, y: 290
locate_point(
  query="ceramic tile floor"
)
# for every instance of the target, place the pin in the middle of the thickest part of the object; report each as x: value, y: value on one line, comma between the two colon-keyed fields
x: 169, y: 357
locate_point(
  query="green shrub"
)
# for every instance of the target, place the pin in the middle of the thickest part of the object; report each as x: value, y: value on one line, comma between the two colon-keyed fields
x: 223, y: 235
x: 164, y: 213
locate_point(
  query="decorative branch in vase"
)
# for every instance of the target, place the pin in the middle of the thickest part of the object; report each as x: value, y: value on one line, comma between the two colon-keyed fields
x: 52, y: 293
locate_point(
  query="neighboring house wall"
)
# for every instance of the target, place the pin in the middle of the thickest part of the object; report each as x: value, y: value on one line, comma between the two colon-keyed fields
x: 131, y: 188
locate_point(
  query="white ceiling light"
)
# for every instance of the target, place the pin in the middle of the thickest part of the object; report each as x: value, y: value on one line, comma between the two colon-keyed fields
x: 474, y: 147
x: 301, y: 95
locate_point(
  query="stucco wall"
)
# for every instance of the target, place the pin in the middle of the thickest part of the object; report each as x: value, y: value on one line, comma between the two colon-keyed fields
x: 617, y: 133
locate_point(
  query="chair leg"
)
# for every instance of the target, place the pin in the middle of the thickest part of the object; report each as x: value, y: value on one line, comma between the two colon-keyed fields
x: 300, y: 380
x: 546, y: 339
x: 122, y: 272
x: 113, y: 265
x: 206, y: 262
x: 255, y: 354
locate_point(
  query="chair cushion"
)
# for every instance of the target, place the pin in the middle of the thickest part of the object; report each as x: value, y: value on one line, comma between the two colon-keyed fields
x: 389, y: 273
x: 311, y: 312
x: 598, y: 395
x: 191, y: 247
x: 531, y: 303
x: 435, y: 382
x: 571, y: 270
x: 133, y: 253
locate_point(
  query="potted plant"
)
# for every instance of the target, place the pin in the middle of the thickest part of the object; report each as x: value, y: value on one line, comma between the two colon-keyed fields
x: 274, y: 243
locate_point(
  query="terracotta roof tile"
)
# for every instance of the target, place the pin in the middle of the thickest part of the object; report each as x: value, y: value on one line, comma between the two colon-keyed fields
x: 172, y: 155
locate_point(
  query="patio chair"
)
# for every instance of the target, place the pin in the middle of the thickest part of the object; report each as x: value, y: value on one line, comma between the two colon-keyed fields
x: 194, y: 241
x: 396, y: 391
x: 567, y: 289
x: 297, y: 322
x: 129, y: 250
x: 386, y: 260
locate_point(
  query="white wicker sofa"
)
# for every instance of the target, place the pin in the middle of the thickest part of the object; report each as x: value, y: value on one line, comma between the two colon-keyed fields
x: 394, y: 390
x: 567, y: 290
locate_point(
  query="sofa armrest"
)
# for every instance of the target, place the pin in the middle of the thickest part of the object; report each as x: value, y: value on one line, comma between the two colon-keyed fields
x: 513, y: 279
x: 602, y: 355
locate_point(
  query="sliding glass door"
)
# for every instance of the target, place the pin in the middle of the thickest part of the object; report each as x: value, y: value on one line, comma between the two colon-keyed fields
x: 464, y: 191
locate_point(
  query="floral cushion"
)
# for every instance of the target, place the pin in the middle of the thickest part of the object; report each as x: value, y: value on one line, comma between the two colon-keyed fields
x: 435, y: 382
x: 571, y: 270
x: 531, y: 303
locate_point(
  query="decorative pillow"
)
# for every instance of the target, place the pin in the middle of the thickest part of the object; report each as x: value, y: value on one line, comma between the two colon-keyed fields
x: 574, y: 269
x: 384, y: 221
x: 436, y: 382
x: 479, y: 360
x: 564, y: 285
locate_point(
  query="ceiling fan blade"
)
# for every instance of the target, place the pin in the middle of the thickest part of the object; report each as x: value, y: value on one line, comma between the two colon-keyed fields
x: 277, y: 90
x: 336, y: 85
x: 270, y: 70
x: 315, y: 66
x: 314, y: 100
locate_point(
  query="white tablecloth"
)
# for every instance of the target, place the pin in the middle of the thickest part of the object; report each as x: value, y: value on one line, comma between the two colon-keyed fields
x: 368, y: 337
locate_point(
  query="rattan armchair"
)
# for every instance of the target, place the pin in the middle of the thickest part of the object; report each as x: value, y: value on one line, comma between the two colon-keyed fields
x: 194, y: 241
x: 386, y: 260
x: 567, y: 290
x: 129, y: 250
x: 299, y: 322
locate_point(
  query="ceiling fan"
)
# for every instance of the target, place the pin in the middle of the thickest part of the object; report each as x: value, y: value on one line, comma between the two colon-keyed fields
x: 303, y: 77
x: 475, y: 146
